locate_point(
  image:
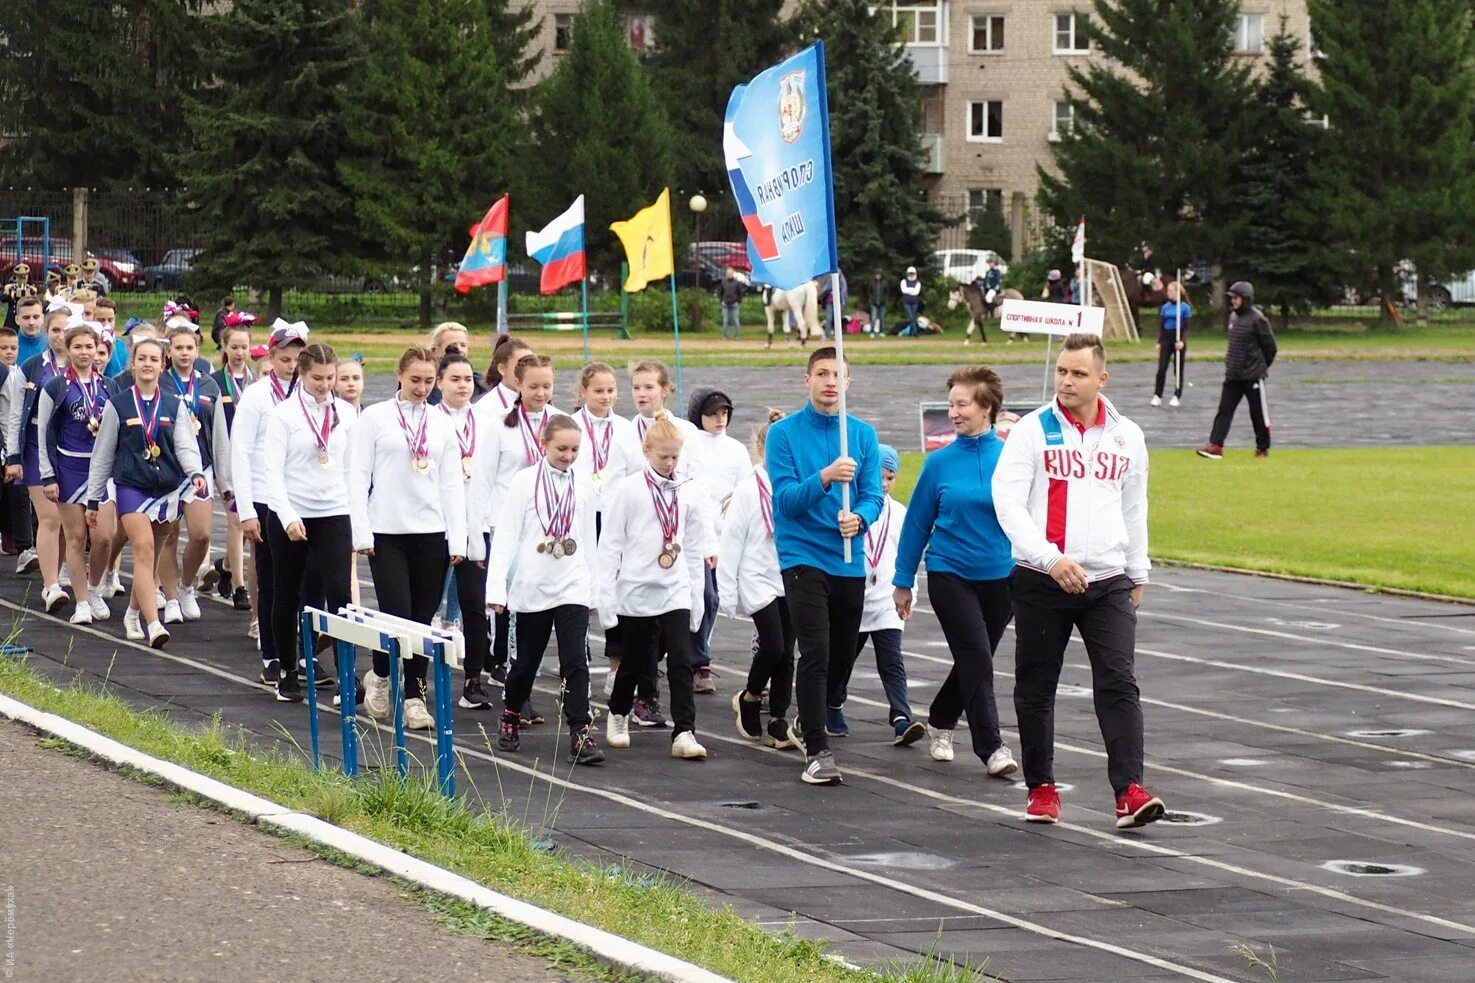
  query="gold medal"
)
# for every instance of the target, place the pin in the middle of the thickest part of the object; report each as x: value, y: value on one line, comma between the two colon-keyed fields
x: 598, y: 478
x: 421, y: 465
x: 466, y: 467
x: 569, y: 546
x: 542, y: 547
x: 197, y: 424
x: 667, y: 561
x: 155, y: 451
x: 324, y: 461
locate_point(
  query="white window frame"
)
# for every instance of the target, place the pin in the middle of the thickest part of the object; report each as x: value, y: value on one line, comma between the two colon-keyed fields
x: 1243, y: 33
x: 984, y: 137
x: 1056, y: 133
x: 988, y: 22
x: 938, y: 8
x: 1078, y: 23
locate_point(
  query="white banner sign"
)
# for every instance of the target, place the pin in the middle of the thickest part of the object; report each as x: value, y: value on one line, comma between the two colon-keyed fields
x: 1039, y: 317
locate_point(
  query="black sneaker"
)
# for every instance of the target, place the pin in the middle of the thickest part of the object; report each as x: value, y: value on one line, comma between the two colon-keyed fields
x: 582, y: 749
x: 499, y: 675
x: 473, y: 697
x: 778, y: 735
x: 271, y: 672
x: 749, y: 717
x: 358, y: 696
x: 530, y: 716
x: 325, y: 676
x: 509, y: 736
x: 211, y: 577
x: 647, y: 713
x: 241, y: 600
x: 289, y: 690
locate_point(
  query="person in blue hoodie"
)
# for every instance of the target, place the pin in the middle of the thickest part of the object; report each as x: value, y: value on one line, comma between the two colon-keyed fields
x: 951, y: 517
x: 810, y: 472
x: 1172, y: 343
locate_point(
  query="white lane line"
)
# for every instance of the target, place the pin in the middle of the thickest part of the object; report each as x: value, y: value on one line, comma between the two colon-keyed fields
x: 1292, y: 636
x: 802, y: 856
x: 1341, y: 611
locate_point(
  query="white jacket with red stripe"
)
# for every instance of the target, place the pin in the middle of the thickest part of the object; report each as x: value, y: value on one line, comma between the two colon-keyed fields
x: 1059, y: 491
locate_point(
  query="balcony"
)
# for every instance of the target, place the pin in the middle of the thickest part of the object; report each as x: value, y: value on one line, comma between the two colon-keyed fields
x: 932, y: 153
x: 930, y: 61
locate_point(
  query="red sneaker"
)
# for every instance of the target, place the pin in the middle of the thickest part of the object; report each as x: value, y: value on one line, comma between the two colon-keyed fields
x: 1138, y: 807
x: 1044, y: 805
x: 1262, y: 453
x: 1213, y: 452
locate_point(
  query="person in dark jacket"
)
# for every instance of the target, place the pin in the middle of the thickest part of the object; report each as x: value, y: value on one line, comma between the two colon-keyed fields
x: 732, y: 296
x: 877, y: 295
x: 1247, y: 361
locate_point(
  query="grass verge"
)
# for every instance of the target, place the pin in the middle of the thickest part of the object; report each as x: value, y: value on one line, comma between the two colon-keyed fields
x: 486, y: 846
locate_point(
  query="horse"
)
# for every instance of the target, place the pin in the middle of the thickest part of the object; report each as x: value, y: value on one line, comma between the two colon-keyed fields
x: 979, y: 309
x: 802, y: 301
x: 1138, y: 295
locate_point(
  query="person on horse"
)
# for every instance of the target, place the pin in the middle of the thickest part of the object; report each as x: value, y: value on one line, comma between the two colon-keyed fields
x: 990, y: 283
x: 1144, y: 266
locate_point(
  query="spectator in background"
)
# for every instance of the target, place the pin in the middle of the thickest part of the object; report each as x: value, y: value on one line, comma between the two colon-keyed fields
x: 911, y: 294
x: 1172, y: 343
x: 226, y: 307
x: 732, y: 296
x: 1247, y: 360
x: 877, y: 298
x: 1054, y: 291
x: 828, y: 302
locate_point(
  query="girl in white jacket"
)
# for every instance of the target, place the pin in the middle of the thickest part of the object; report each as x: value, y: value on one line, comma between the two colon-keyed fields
x: 543, y: 567
x: 651, y: 569
x: 749, y: 584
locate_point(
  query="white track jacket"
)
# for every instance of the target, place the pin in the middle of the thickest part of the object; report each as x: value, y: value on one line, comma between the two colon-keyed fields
x: 1060, y: 492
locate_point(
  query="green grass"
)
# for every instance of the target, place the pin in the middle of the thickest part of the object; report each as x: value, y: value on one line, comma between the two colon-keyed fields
x: 488, y: 846
x: 1385, y: 517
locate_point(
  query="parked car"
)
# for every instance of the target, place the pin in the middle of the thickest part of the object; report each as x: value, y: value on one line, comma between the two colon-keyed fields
x: 168, y: 273
x: 709, y: 276
x: 967, y: 265
x: 117, y: 268
x: 734, y: 254
x: 121, y: 269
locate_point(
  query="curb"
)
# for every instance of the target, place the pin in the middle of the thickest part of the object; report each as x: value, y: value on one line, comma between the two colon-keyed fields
x: 609, y: 948
x: 1317, y: 581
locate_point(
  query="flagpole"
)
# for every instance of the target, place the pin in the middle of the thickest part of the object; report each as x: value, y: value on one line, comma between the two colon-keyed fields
x: 676, y: 326
x: 584, y: 308
x: 844, y: 375
x: 502, y: 304
x: 1178, y: 333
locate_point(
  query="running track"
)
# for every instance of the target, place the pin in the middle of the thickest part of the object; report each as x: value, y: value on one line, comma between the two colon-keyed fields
x: 1276, y: 711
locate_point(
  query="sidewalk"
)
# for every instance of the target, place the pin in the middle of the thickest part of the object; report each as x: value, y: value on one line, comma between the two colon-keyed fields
x: 108, y: 877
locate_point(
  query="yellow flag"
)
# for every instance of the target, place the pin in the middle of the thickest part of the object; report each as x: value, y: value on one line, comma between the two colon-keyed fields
x: 647, y: 241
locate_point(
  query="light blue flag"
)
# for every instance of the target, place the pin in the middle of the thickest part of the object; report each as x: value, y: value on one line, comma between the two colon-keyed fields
x: 776, y: 140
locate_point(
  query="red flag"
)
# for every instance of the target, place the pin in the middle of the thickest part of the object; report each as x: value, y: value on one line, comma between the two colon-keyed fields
x: 486, y: 258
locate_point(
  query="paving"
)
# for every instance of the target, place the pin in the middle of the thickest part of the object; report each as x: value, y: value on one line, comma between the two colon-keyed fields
x: 103, y: 871
x: 1289, y: 727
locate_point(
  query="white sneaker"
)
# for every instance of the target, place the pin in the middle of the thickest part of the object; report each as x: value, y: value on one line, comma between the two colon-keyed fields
x: 172, y: 614
x: 99, y: 606
x: 132, y: 626
x: 54, y: 598
x: 376, y: 695
x: 1173, y: 401
x: 609, y: 684
x: 83, y: 615
x: 416, y: 716
x: 617, y: 730
x: 189, y: 605
x: 65, y: 578
x: 1001, y: 763
x: 941, y: 743
x: 27, y: 561
x: 159, y: 598
x: 112, y: 584
x: 158, y: 635
x: 1156, y: 401
x: 686, y: 746
x: 253, y: 628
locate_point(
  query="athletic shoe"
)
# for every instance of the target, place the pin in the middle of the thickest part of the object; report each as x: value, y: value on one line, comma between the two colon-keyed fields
x: 821, y: 770
x: 289, y: 690
x: 99, y: 606
x: 1001, y: 763
x: 83, y: 615
x: 211, y: 576
x: 647, y: 713
x: 940, y: 744
x: 530, y: 716
x: 1043, y: 806
x: 189, y: 605
x: 609, y: 684
x: 1137, y: 807
x: 509, y: 737
x: 582, y: 750
x: 778, y: 735
x: 749, y: 717
x: 159, y: 598
x: 499, y: 675
x: 1174, y: 401
x: 132, y: 627
x: 7, y: 545
x: 416, y: 716
x: 473, y: 697
x: 173, y: 612
x: 27, y: 561
x: 1156, y: 402
x: 240, y: 599
x: 1262, y: 453
x: 322, y: 675
x: 617, y: 730
x: 376, y: 695
x: 112, y: 583
x: 54, y: 598
x: 908, y: 732
x: 158, y: 635
x: 271, y: 672
x: 796, y: 736
x: 685, y: 746
x: 358, y: 696
x: 253, y: 630
x: 701, y: 680
x: 1214, y: 452
x: 64, y: 579
x: 835, y: 723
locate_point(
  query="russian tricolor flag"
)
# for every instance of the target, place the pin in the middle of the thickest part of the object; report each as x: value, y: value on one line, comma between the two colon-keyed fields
x: 559, y: 249
x: 485, y: 261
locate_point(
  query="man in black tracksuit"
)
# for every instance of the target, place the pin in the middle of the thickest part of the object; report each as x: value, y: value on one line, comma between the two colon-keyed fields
x: 1247, y: 361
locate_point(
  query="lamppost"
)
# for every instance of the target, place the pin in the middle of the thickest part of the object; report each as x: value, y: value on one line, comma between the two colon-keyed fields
x: 698, y: 205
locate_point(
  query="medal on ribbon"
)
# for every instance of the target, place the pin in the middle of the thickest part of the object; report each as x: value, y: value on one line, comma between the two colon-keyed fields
x: 418, y: 438
x: 531, y: 429
x: 554, y: 507
x: 465, y: 437
x: 148, y: 423
x: 321, y: 433
x: 278, y: 391
x: 668, y: 514
x: 599, y: 449
x: 875, y: 547
x: 765, y: 501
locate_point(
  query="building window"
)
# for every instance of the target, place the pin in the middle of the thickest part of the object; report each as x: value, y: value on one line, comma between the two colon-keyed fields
x: 987, y: 34
x: 1063, y: 123
x: 1072, y: 33
x: 986, y: 121
x: 983, y: 200
x: 563, y: 31
x: 919, y: 21
x: 1249, y: 34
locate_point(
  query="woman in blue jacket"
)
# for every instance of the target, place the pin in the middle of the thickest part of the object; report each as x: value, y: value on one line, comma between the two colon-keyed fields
x: 951, y: 517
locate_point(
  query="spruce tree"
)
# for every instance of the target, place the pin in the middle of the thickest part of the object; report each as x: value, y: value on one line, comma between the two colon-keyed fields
x: 598, y: 131
x: 514, y: 33
x: 1160, y: 117
x: 883, y: 217
x: 432, y: 127
x: 1397, y: 178
x: 267, y: 135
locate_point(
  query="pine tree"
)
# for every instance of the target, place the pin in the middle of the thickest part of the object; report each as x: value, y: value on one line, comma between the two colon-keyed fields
x: 267, y: 135
x: 883, y: 217
x: 1397, y: 178
x: 1159, y: 121
x: 514, y: 33
x: 598, y: 131
x: 432, y: 126
x: 702, y: 51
